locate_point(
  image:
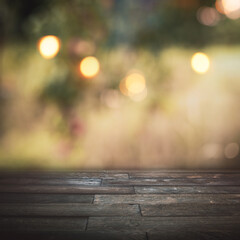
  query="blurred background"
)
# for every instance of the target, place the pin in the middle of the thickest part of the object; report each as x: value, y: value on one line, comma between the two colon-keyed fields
x: 119, y: 84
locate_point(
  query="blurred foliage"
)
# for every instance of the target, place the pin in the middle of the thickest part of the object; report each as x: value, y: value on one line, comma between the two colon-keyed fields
x: 53, y: 117
x: 62, y: 92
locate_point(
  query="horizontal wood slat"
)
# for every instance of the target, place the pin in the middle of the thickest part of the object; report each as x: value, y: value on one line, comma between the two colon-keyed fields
x: 65, y: 189
x: 120, y: 205
x: 167, y: 199
x: 68, y: 210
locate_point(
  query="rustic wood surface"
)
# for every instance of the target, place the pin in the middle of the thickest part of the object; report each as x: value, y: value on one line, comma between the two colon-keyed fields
x: 140, y: 205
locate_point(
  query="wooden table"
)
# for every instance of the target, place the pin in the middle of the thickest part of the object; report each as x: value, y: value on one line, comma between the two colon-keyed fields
x: 146, y: 205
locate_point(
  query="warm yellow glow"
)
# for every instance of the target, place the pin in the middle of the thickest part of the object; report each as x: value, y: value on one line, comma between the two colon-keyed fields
x: 89, y: 67
x: 134, y: 86
x: 135, y: 83
x: 231, y: 5
x: 140, y: 96
x: 122, y: 87
x: 219, y: 6
x: 231, y: 8
x: 231, y: 150
x: 200, y: 62
x: 49, y: 46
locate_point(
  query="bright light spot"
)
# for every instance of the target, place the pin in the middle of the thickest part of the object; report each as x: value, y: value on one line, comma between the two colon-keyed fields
x: 231, y: 5
x: 49, y: 46
x: 139, y: 97
x: 219, y: 6
x: 231, y: 150
x: 200, y: 62
x: 231, y: 8
x: 134, y: 86
x: 89, y: 67
x: 208, y: 16
x: 135, y: 83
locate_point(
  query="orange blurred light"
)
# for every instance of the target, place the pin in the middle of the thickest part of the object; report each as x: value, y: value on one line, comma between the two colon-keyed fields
x: 231, y: 8
x: 200, y: 62
x: 49, y: 46
x: 231, y: 5
x: 134, y: 86
x: 219, y: 6
x: 140, y: 96
x: 135, y: 83
x: 89, y: 67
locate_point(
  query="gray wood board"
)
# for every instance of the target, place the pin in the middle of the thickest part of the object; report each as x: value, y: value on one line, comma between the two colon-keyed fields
x: 65, y: 189
x: 171, y: 182
x: 193, y: 209
x: 167, y: 224
x: 167, y: 199
x: 186, y: 189
x: 68, y: 210
x: 45, y: 198
x: 43, y: 224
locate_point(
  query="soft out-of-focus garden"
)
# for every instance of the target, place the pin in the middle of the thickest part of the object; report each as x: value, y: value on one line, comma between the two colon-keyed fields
x: 119, y: 84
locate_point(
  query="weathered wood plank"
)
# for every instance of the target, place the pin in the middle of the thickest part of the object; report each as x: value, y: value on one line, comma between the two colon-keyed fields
x: 186, y: 189
x: 170, y: 224
x: 167, y: 199
x: 65, y: 189
x: 43, y: 224
x: 64, y: 175
x: 171, y: 182
x: 44, y: 198
x: 68, y: 210
x: 199, y: 234
x: 189, y: 209
x: 72, y: 235
x: 51, y: 181
x: 184, y: 175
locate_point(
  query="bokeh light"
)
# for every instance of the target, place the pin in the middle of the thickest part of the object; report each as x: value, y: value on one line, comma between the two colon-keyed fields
x: 200, y: 62
x: 140, y: 96
x: 89, y: 67
x: 49, y: 46
x: 134, y: 86
x: 208, y: 16
x: 135, y: 83
x: 231, y: 150
x: 231, y: 8
x: 231, y: 5
x: 219, y: 6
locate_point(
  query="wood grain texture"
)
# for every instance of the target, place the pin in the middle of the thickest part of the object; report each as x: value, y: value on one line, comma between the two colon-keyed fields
x: 168, y: 224
x: 64, y: 175
x: 187, y: 209
x: 51, y: 181
x: 187, y: 189
x: 120, y: 205
x: 72, y: 235
x: 201, y: 234
x: 167, y: 199
x: 44, y: 198
x: 43, y: 224
x: 172, y: 181
x: 65, y: 189
x: 68, y: 210
x: 184, y: 175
